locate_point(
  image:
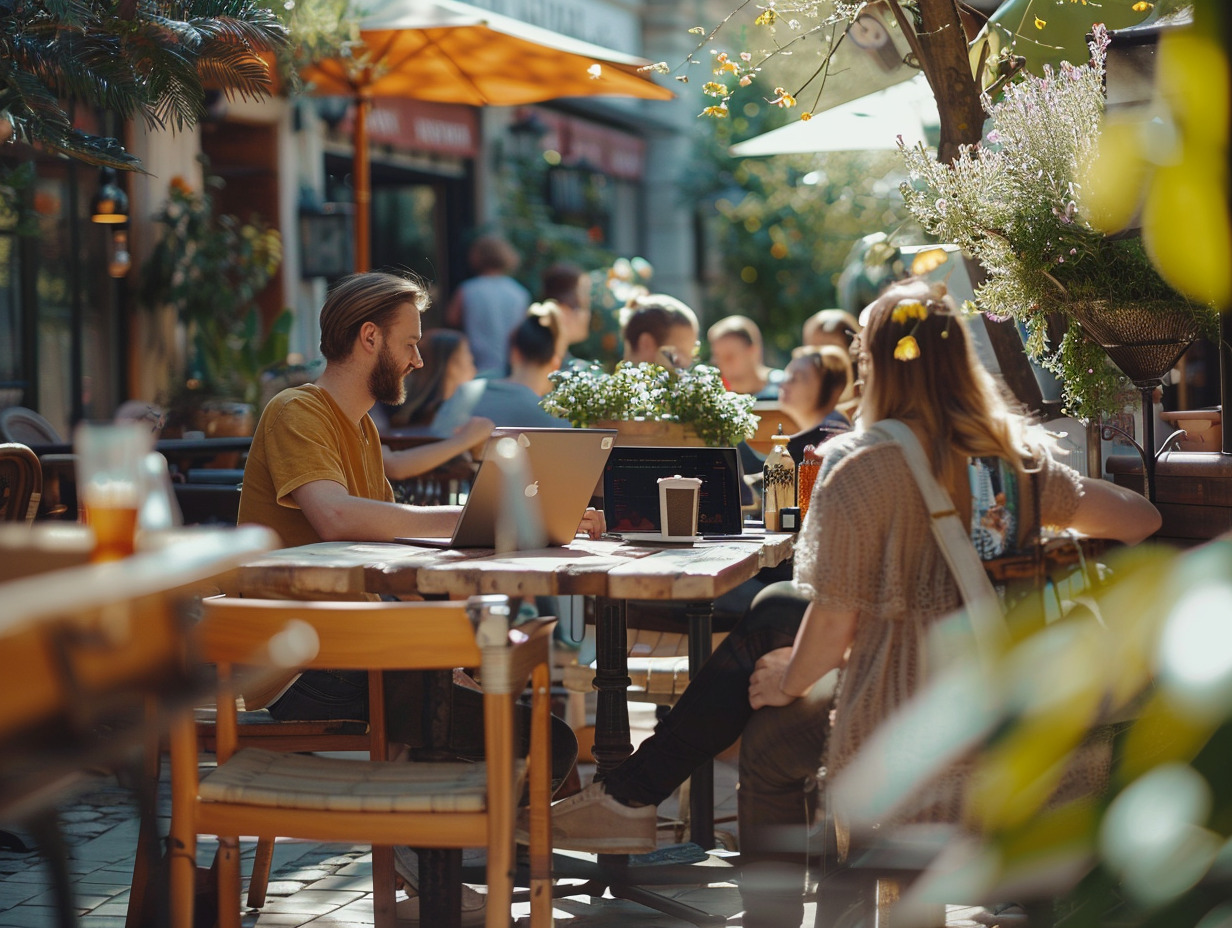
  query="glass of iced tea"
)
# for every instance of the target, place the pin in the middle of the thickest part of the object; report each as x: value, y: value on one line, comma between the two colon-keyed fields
x: 109, y: 483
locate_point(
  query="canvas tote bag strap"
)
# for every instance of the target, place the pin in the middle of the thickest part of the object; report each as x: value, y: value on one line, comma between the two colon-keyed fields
x: 981, y: 600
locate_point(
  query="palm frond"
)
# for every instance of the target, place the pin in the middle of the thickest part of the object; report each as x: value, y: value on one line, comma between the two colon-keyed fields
x: 137, y: 58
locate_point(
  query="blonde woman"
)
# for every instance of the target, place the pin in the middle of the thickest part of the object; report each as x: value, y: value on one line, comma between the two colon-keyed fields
x: 871, y: 580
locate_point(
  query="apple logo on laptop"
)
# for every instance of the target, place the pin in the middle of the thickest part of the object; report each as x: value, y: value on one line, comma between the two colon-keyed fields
x: 532, y: 489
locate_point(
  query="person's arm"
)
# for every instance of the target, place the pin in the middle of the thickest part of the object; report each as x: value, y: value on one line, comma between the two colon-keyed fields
x: 411, y: 462
x: 335, y: 515
x: 784, y: 675
x: 1106, y: 510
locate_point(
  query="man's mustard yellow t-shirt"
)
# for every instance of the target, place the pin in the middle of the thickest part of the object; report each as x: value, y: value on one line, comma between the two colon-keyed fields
x: 304, y: 436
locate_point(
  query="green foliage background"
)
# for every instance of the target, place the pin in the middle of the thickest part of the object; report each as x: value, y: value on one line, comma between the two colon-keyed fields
x: 779, y: 229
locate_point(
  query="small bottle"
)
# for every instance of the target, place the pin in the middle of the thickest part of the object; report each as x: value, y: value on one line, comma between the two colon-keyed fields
x: 806, y: 477
x: 778, y: 486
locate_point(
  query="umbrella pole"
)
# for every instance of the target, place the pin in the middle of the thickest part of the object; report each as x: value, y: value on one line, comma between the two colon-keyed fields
x: 363, y: 182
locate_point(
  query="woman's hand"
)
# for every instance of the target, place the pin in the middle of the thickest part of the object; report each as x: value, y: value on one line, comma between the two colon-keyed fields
x: 593, y: 525
x: 474, y: 431
x: 766, y: 684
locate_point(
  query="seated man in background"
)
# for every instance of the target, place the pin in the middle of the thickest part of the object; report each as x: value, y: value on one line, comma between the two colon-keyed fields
x: 736, y: 349
x: 315, y: 473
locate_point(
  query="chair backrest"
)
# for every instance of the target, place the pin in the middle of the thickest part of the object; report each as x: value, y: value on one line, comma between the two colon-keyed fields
x: 21, y: 483
x: 17, y: 423
x: 348, y: 636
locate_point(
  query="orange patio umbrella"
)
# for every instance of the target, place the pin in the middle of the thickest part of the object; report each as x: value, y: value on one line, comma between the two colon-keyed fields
x: 442, y: 52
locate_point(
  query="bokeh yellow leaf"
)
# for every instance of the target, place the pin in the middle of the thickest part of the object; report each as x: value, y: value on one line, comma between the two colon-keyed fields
x: 1185, y: 228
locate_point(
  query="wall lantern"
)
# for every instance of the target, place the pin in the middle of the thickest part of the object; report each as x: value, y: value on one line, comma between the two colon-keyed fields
x: 110, y: 203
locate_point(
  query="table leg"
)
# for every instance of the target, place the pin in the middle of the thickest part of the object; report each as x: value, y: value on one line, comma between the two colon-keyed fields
x: 700, y: 617
x: 612, y: 741
x: 440, y: 869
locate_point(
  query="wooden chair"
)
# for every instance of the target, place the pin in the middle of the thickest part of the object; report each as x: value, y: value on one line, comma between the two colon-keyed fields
x: 21, y: 483
x: 445, y: 805
x: 19, y: 424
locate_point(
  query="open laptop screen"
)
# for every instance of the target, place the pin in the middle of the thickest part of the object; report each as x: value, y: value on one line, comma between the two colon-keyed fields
x: 631, y: 489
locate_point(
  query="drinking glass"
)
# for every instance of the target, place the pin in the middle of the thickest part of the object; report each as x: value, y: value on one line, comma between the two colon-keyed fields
x: 110, y: 483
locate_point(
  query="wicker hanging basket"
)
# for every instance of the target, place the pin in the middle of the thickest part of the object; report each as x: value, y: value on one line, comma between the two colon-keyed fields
x: 1145, y: 340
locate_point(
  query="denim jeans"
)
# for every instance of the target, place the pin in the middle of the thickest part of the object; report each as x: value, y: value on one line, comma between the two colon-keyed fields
x: 780, y: 805
x: 714, y: 708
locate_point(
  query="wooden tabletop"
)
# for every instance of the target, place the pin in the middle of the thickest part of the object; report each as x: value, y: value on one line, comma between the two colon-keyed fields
x: 584, y: 567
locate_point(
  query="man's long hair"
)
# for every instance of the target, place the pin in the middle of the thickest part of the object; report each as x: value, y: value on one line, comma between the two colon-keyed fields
x: 370, y: 297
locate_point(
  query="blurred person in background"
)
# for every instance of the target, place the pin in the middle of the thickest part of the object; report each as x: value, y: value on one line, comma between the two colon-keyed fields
x: 659, y: 329
x: 817, y: 379
x: 489, y: 305
x: 535, y: 350
x: 835, y: 327
x: 736, y: 349
x: 447, y: 364
x: 568, y: 286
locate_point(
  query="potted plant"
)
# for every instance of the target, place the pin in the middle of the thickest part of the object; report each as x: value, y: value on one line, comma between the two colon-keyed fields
x: 650, y: 404
x: 210, y: 269
x: 1015, y: 204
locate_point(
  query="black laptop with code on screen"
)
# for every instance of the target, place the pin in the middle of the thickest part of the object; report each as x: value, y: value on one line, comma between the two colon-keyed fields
x: 631, y: 488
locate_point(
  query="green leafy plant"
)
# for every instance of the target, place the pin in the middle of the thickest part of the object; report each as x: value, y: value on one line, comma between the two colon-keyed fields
x: 210, y: 269
x: 1016, y: 205
x: 694, y: 396
x: 151, y: 60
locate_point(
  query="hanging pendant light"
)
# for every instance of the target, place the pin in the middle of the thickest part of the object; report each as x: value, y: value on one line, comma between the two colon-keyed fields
x: 110, y: 204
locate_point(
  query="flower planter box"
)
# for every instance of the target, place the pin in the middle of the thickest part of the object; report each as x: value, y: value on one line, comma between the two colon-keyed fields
x: 642, y: 433
x: 1193, y: 491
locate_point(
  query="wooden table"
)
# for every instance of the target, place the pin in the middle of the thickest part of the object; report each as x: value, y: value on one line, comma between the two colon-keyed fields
x: 611, y: 571
x: 93, y: 662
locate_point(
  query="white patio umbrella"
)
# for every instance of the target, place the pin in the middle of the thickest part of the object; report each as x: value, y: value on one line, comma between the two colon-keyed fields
x: 869, y: 123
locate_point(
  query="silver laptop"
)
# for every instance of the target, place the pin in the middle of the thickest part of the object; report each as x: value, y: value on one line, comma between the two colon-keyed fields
x: 534, y: 497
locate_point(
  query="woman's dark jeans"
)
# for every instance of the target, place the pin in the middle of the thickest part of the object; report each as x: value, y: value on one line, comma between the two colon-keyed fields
x: 714, y: 708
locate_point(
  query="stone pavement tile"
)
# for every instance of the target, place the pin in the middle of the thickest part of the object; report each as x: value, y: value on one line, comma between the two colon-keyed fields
x: 33, y: 875
x: 326, y: 899
x: 28, y: 916
x: 101, y: 921
x: 359, y: 868
x: 294, y: 905
x: 82, y: 900
x: 334, y: 920
x: 361, y: 882
x: 15, y: 893
x: 358, y: 912
x: 113, y: 844
x: 284, y: 887
x: 111, y: 909
x: 306, y: 875
x: 277, y: 920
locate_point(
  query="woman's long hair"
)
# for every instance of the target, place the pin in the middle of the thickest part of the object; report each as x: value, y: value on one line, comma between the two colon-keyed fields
x: 425, y: 388
x: 944, y: 388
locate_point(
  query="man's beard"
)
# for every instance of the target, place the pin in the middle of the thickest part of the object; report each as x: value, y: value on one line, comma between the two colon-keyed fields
x: 387, y: 383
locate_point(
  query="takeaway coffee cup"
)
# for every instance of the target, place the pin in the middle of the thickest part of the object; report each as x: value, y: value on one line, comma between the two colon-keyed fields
x: 678, y: 502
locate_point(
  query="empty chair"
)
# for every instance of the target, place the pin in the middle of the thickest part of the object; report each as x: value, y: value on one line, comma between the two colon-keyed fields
x: 21, y: 483
x: 436, y: 805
